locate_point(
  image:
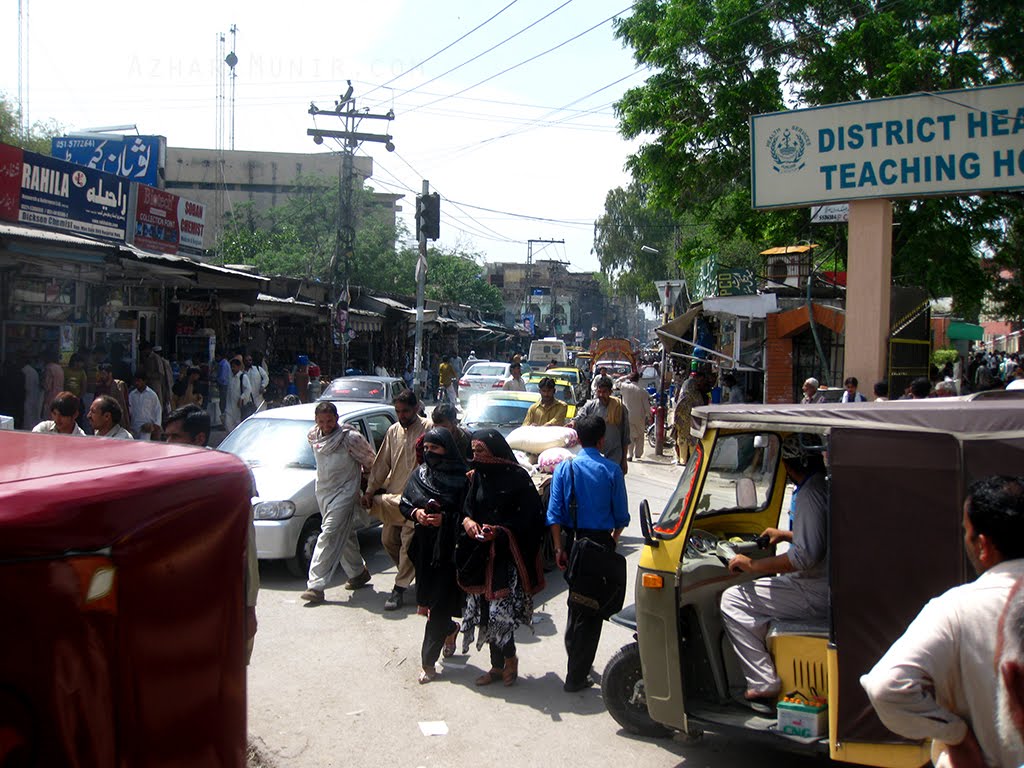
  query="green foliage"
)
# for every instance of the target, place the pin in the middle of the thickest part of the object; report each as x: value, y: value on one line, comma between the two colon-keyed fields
x: 299, y: 239
x: 942, y: 356
x: 715, y: 63
x: 458, y: 278
x: 39, y: 134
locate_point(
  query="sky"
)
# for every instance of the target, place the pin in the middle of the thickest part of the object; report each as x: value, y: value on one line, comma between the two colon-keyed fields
x: 528, y: 154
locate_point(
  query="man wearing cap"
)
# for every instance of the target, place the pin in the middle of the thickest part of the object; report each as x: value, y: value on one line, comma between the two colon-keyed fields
x: 811, y: 394
x: 515, y: 383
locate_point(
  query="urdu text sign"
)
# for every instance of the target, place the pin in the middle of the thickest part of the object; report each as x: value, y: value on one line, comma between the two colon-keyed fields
x: 951, y: 142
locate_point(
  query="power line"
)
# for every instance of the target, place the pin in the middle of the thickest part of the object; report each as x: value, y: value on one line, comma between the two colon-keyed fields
x: 484, y: 53
x: 525, y: 61
x: 438, y: 53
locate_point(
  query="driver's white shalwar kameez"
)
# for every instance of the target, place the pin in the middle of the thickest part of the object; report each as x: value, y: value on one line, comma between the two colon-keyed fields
x: 748, y: 609
x: 340, y: 457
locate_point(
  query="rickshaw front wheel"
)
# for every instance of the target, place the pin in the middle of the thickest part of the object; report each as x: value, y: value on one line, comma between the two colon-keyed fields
x: 622, y: 687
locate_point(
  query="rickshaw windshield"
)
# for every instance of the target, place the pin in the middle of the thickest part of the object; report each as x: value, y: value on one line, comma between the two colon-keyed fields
x: 739, y: 478
x: 671, y: 520
x: 740, y: 474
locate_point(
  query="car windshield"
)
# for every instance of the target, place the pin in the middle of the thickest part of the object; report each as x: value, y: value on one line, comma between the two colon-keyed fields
x: 271, y: 443
x: 495, y: 413
x: 739, y: 478
x: 563, y: 392
x: 349, y: 389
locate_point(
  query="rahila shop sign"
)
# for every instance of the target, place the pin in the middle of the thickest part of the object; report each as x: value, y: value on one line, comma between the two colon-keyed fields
x: 920, y: 145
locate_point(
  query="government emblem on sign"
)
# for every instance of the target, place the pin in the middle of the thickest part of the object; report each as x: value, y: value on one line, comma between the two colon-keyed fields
x: 787, y: 146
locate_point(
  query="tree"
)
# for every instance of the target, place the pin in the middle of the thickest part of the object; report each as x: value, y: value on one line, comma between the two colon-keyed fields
x: 717, y: 62
x: 39, y: 134
x: 299, y: 237
x: 458, y: 278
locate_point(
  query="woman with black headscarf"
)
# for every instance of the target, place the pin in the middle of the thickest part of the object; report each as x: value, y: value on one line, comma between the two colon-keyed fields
x: 499, y: 553
x: 433, y: 500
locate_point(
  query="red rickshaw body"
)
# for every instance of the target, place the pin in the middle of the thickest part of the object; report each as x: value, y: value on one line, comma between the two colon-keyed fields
x: 122, y: 603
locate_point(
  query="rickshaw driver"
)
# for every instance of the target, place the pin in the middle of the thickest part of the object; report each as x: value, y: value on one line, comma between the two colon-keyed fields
x: 800, y: 592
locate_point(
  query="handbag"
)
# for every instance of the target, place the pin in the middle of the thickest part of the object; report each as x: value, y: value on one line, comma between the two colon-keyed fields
x: 596, y: 575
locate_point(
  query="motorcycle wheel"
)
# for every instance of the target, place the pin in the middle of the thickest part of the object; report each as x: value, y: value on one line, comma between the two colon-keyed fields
x: 652, y: 437
x: 622, y: 689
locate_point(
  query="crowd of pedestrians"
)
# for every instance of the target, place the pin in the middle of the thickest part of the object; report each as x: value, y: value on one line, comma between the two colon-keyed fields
x: 466, y: 529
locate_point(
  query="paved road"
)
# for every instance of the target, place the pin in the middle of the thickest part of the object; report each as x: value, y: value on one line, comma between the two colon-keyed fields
x: 335, y: 685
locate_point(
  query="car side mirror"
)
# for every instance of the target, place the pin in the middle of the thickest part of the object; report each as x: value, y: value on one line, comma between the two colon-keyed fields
x: 647, y: 525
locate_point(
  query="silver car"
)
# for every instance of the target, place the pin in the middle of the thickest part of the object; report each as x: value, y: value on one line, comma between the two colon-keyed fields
x: 273, y: 443
x: 483, y: 377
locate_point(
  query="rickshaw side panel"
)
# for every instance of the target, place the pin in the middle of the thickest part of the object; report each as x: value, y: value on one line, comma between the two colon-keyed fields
x: 121, y: 566
x: 894, y: 543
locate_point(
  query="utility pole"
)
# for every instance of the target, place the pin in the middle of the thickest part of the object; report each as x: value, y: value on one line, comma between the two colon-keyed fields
x: 428, y: 227
x: 345, y: 240
x: 421, y: 282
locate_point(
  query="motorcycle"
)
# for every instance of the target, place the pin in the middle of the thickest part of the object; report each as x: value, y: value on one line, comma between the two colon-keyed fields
x: 652, y: 431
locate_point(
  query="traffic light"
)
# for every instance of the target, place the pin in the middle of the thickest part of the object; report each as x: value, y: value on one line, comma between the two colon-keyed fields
x: 428, y: 216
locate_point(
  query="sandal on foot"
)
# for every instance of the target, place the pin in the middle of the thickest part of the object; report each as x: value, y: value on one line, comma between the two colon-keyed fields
x: 427, y: 675
x: 491, y: 676
x: 449, y: 642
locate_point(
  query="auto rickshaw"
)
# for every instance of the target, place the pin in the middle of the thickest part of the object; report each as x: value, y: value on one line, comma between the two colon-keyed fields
x: 122, y: 596
x: 897, y: 476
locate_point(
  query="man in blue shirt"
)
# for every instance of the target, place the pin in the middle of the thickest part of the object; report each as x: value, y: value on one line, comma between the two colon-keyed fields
x: 600, y: 491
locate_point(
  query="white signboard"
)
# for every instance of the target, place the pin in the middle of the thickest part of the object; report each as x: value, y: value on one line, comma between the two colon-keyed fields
x: 835, y: 213
x: 927, y: 144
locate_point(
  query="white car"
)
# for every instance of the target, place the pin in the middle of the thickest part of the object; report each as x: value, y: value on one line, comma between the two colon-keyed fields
x: 273, y: 443
x: 483, y: 377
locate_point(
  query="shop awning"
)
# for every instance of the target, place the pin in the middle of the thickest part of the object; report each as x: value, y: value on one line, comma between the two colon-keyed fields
x: 967, y: 331
x: 365, y: 321
x: 675, y: 329
x: 201, y: 274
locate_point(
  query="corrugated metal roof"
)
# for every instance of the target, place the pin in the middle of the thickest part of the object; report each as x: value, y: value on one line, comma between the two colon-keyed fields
x: 32, y: 233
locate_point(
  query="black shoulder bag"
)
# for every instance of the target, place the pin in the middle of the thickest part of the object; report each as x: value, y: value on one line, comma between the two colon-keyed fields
x: 596, y: 575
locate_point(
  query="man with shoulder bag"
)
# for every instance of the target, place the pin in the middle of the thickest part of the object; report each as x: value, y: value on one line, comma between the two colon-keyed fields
x: 588, y: 499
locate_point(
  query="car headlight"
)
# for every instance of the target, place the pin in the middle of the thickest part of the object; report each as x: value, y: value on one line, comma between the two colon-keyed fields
x: 273, y: 510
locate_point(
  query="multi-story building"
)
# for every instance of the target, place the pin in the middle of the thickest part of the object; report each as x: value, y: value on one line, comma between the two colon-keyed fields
x: 562, y: 303
x: 221, y: 180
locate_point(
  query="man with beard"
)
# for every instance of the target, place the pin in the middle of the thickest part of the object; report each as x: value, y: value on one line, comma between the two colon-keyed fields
x: 616, y: 419
x: 396, y: 459
x: 106, y: 384
x: 937, y: 681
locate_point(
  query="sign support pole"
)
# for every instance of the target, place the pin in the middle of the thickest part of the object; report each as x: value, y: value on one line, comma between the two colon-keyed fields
x: 868, y: 281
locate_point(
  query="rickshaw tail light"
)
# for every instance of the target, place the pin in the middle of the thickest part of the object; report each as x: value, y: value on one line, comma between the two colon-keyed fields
x: 652, y: 581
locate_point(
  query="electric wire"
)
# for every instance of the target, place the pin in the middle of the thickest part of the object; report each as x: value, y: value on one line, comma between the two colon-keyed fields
x: 524, y: 61
x: 434, y: 55
x: 484, y: 53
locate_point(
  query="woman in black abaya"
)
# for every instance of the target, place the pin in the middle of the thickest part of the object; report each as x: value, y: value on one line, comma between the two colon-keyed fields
x: 433, y: 500
x: 498, y: 553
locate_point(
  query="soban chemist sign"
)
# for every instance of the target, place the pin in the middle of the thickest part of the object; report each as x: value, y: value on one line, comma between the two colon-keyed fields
x: 919, y: 145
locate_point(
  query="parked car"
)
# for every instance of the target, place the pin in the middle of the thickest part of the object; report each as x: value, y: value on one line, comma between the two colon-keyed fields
x: 273, y: 443
x: 483, y: 377
x: 364, y: 389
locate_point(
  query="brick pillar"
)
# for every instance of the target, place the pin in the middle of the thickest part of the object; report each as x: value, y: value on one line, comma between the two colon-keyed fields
x: 778, y: 364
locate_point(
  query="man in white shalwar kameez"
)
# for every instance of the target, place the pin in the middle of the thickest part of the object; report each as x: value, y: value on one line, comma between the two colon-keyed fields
x: 341, y: 453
